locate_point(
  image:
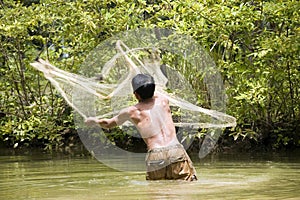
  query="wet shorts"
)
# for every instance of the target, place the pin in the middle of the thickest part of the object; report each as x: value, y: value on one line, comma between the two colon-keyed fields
x: 170, y: 162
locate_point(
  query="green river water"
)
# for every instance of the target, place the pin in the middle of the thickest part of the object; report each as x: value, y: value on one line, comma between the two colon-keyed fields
x: 223, y: 176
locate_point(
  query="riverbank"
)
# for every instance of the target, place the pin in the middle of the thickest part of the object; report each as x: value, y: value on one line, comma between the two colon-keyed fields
x: 73, y: 146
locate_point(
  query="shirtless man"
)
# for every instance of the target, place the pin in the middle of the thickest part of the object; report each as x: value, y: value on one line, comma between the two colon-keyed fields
x: 166, y: 157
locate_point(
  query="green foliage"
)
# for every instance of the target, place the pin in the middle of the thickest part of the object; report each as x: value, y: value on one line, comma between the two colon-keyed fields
x: 262, y: 70
x: 34, y: 111
x: 254, y: 43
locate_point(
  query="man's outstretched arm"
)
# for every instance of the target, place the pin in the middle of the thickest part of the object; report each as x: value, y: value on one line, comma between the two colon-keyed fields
x: 109, y: 123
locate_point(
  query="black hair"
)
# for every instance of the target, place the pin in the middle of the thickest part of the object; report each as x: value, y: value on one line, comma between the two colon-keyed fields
x: 146, y: 91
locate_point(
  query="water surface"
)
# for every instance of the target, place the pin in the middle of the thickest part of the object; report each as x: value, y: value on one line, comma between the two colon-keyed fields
x: 224, y: 176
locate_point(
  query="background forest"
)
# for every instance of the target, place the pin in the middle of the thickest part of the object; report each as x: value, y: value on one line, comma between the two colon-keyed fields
x: 255, y: 45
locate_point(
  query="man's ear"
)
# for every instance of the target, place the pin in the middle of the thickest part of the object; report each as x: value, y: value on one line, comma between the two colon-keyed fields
x: 137, y: 96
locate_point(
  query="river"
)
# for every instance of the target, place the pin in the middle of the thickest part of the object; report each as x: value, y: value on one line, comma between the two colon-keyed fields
x: 38, y: 175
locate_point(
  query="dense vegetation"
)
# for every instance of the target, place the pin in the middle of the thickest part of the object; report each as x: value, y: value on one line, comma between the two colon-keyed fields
x: 255, y: 45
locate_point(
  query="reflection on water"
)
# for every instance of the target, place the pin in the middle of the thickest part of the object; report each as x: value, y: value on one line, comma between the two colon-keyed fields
x: 44, y: 176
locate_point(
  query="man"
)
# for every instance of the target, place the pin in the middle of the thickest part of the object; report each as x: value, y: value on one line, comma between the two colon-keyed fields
x: 166, y: 157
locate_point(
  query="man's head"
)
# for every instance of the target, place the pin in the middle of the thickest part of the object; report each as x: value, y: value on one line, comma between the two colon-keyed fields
x: 143, y: 85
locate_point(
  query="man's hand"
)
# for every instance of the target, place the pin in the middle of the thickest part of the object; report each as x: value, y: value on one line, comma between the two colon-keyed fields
x: 106, y: 123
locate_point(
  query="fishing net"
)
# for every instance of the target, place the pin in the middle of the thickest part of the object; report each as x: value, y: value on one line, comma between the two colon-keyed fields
x: 182, y: 70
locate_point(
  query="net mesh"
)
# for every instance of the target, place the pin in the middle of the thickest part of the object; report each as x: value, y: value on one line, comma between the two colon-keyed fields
x: 183, y: 72
x: 112, y: 91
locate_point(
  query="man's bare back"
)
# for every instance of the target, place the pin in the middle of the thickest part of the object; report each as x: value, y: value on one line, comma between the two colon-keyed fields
x: 152, y: 118
x: 154, y: 122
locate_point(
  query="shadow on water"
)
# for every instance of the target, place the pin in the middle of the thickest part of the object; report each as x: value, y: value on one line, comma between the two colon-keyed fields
x: 35, y: 175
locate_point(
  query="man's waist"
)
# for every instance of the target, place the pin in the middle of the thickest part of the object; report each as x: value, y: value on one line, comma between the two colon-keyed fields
x: 165, y: 148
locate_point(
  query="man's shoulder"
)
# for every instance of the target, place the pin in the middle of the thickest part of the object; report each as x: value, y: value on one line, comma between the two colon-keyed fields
x: 132, y: 109
x: 128, y: 110
x: 161, y: 98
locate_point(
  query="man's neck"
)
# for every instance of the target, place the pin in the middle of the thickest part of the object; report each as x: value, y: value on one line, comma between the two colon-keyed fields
x: 145, y: 100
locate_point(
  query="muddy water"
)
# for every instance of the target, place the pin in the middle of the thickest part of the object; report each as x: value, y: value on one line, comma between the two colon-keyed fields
x: 224, y: 176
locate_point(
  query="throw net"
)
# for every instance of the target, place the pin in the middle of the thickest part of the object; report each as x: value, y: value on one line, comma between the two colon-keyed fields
x: 182, y: 71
